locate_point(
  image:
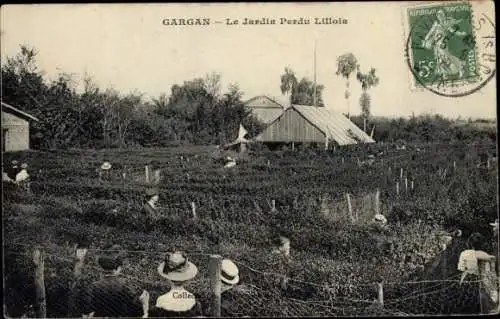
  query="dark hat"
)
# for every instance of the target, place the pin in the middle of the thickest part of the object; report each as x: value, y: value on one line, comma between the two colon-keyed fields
x: 109, y: 263
x: 111, y: 258
x: 152, y: 191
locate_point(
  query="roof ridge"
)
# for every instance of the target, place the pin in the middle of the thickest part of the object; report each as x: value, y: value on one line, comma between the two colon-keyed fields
x: 272, y: 99
x: 8, y: 106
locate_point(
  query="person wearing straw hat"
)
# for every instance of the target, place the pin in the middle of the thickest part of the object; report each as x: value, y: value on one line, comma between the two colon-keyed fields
x: 178, y: 302
x: 105, y: 171
x: 112, y: 295
x: 229, y: 276
x: 232, y: 292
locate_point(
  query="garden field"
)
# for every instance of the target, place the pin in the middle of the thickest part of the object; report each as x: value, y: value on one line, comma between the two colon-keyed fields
x: 335, y: 263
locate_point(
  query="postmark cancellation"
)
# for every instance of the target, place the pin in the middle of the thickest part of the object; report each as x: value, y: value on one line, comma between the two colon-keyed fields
x: 450, y: 47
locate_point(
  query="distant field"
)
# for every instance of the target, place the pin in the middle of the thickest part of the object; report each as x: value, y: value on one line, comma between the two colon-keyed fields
x: 235, y: 220
x: 484, y: 126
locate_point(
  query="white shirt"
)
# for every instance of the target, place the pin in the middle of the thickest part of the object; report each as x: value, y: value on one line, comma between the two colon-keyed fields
x: 152, y: 203
x: 230, y: 164
x: 380, y: 218
x: 468, y: 260
x: 5, y: 177
x: 22, y: 175
x: 177, y: 299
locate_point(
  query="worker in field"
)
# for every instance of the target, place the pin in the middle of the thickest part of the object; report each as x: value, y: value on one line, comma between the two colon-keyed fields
x: 105, y: 171
x: 113, y: 295
x: 150, y: 204
x: 495, y: 243
x: 177, y: 302
x: 229, y: 162
x: 12, y: 171
x: 18, y: 175
x: 23, y: 178
x: 150, y: 208
x: 495, y: 227
x: 380, y: 221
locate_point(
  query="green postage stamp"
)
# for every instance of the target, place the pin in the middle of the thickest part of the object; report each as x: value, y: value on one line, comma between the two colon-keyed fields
x: 443, y: 49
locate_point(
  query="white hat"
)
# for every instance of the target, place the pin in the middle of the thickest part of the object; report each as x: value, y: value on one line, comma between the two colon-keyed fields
x: 177, y: 267
x: 380, y: 218
x: 106, y: 166
x: 229, y: 273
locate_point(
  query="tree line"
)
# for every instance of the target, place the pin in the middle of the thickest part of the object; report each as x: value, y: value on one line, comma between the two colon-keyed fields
x: 195, y: 112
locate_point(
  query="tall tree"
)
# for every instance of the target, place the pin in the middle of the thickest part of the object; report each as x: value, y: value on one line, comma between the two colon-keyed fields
x: 288, y: 83
x: 367, y: 81
x: 346, y: 65
x: 303, y: 93
x: 300, y: 92
x: 212, y: 83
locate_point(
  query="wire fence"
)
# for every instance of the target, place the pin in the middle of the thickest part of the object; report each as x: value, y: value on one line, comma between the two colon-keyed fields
x: 262, y: 292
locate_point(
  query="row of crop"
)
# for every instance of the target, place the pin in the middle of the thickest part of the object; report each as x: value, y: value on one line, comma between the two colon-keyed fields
x: 177, y: 159
x: 320, y: 238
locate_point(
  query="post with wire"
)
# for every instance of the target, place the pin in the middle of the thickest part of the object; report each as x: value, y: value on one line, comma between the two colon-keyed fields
x: 214, y: 268
x: 41, y: 306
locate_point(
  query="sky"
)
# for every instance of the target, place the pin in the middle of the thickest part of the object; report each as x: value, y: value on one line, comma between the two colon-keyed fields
x: 127, y: 47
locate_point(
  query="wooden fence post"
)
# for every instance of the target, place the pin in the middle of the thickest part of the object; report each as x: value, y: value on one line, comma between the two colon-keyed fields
x: 157, y: 176
x: 80, y: 254
x: 406, y: 184
x: 273, y: 205
x: 397, y: 188
x: 377, y: 202
x: 41, y: 307
x: 193, y: 210
x: 411, y: 185
x: 444, y: 173
x: 80, y: 258
x: 488, y: 287
x: 349, y: 206
x: 380, y: 294
x: 401, y: 174
x: 146, y: 168
x: 214, y: 266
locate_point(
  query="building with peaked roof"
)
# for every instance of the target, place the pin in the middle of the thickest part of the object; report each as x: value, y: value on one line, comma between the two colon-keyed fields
x: 15, y: 129
x: 309, y: 124
x: 264, y: 108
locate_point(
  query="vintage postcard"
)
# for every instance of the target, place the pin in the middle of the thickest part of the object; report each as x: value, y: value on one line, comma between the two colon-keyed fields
x: 249, y: 159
